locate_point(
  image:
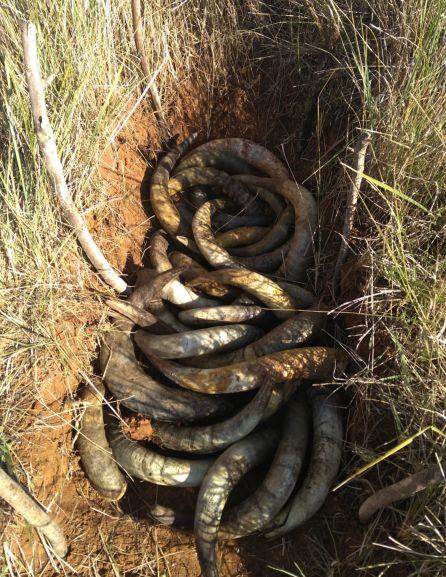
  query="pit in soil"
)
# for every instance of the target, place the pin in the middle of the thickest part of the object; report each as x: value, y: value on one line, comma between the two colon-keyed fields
x: 109, y: 539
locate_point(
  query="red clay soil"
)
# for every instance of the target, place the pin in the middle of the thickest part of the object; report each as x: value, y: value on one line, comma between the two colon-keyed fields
x: 107, y: 539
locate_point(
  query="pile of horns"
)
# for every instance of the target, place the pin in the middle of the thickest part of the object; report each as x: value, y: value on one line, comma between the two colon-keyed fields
x: 217, y: 345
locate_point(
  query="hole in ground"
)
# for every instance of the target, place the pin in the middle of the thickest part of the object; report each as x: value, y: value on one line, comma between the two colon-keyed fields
x: 124, y: 230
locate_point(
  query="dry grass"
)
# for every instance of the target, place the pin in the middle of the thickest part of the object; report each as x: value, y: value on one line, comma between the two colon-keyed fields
x: 316, y: 72
x: 90, y: 52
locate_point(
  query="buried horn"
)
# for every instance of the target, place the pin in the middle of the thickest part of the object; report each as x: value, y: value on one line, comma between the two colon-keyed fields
x: 213, y: 344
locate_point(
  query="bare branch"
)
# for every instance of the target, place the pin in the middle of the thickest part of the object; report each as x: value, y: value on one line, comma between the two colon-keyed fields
x: 139, y: 41
x: 53, y: 164
x: 36, y: 516
x: 352, y: 199
x: 402, y: 490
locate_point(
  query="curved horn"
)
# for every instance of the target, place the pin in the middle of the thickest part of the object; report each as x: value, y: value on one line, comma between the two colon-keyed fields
x: 305, y: 363
x: 240, y: 237
x: 183, y: 520
x: 162, y: 204
x: 231, y: 188
x: 95, y: 453
x: 221, y: 315
x: 130, y: 311
x: 255, y: 512
x: 149, y: 465
x: 216, y: 255
x: 148, y: 296
x: 255, y: 154
x: 276, y: 236
x: 303, y: 298
x: 305, y: 212
x: 223, y: 160
x: 279, y: 396
x: 266, y: 290
x: 172, y: 517
x: 175, y: 291
x: 197, y: 342
x: 197, y: 195
x: 192, y: 269
x: 272, y: 200
x: 135, y: 389
x: 289, y: 334
x: 225, y: 221
x: 221, y: 478
x: 293, y: 332
x: 213, y: 438
x: 324, y: 464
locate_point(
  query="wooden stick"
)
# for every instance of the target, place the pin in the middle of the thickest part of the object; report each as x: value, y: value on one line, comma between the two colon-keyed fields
x: 429, y: 476
x: 48, y: 148
x: 139, y: 41
x: 36, y: 516
x: 352, y: 199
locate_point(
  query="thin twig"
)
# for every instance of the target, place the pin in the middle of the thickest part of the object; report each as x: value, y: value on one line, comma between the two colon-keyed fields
x: 429, y: 476
x: 139, y: 41
x: 352, y: 199
x: 36, y: 516
x: 47, y: 144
